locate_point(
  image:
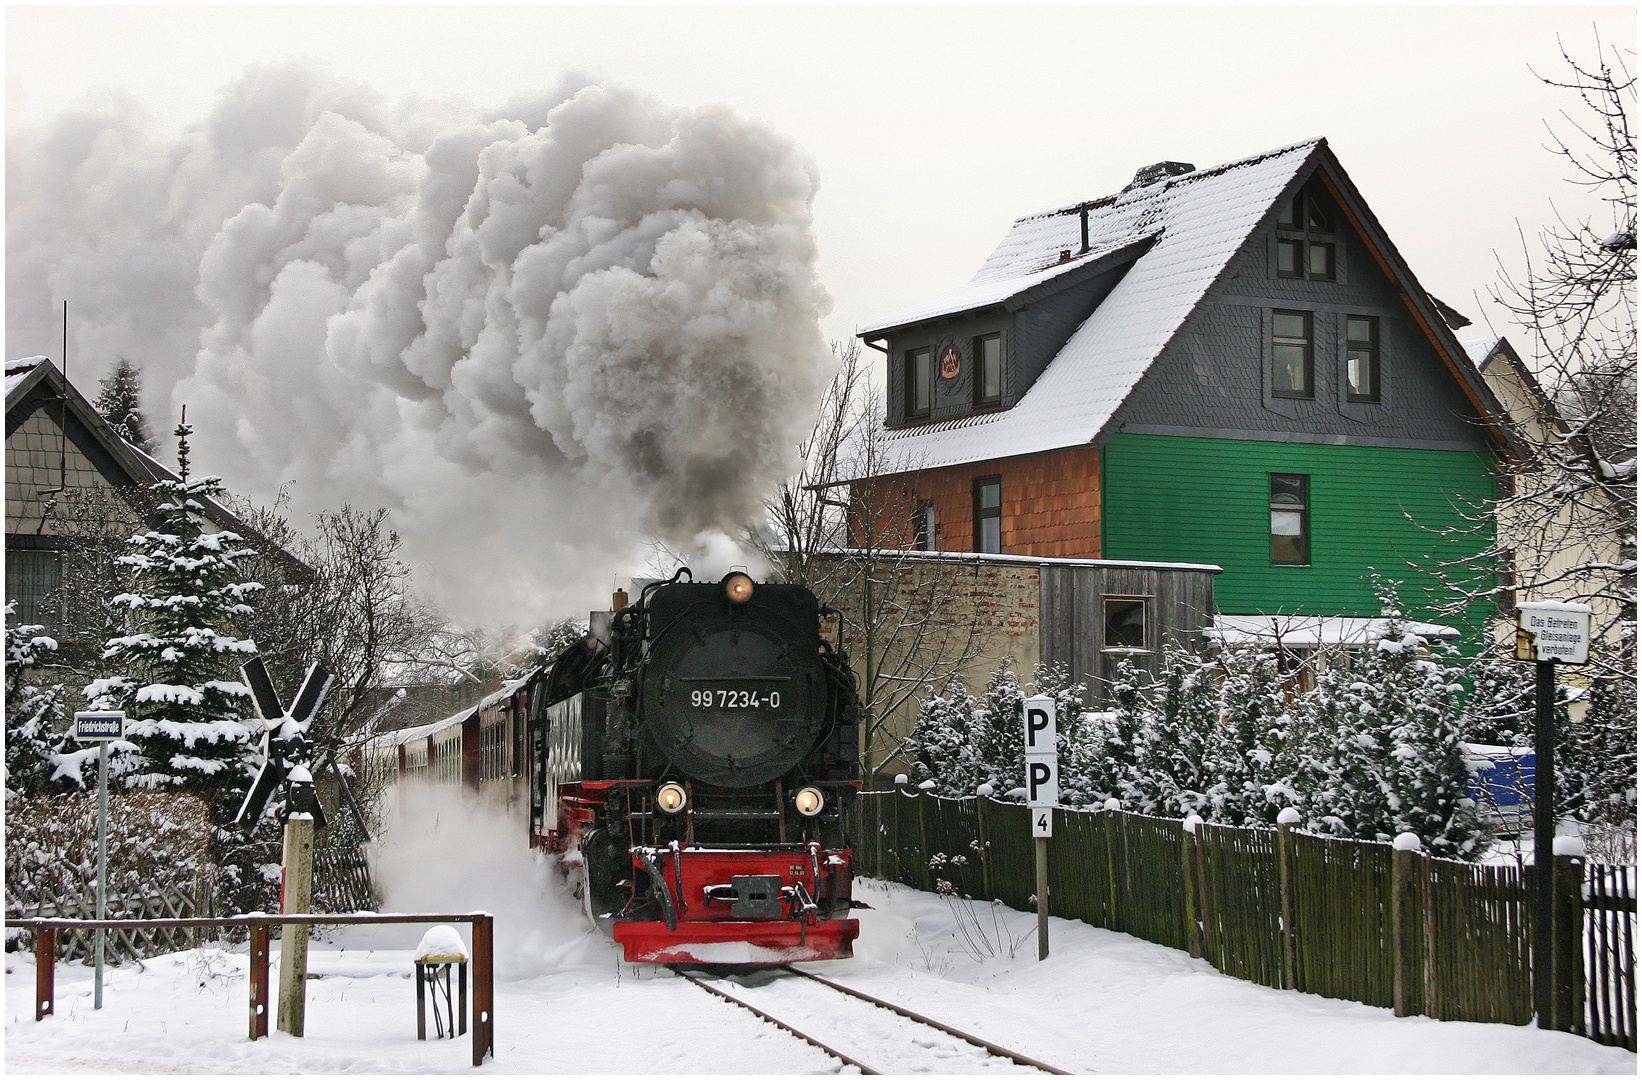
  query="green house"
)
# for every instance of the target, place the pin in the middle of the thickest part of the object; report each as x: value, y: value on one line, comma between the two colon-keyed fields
x: 1229, y: 365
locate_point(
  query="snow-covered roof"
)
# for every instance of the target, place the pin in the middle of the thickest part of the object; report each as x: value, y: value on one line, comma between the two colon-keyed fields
x: 1312, y: 631
x: 1201, y: 219
x: 18, y: 370
x: 1034, y: 560
x: 422, y: 731
x: 1480, y: 350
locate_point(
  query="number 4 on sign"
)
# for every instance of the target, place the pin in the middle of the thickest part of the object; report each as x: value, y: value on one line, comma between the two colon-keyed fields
x: 1041, y: 824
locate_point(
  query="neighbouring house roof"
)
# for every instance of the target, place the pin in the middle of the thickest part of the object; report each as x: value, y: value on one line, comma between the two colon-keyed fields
x: 1311, y: 631
x: 1194, y: 224
x: 26, y: 376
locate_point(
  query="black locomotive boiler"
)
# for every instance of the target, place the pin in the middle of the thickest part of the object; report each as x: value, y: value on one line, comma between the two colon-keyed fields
x: 695, y: 763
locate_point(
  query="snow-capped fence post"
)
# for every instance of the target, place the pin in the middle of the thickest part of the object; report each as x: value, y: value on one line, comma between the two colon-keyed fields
x: 1113, y: 922
x: 484, y: 989
x: 1188, y: 875
x: 1428, y: 934
x: 900, y: 791
x: 1402, y: 873
x: 1287, y: 818
x: 982, y: 795
x: 1200, y: 881
x: 1568, y: 971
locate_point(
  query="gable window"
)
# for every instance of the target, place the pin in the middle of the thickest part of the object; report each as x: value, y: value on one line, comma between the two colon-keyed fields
x: 923, y: 525
x: 918, y: 376
x: 1308, y: 249
x: 1362, y: 358
x: 989, y: 515
x: 1291, y: 354
x: 1126, y: 623
x: 988, y: 370
x: 1290, y: 520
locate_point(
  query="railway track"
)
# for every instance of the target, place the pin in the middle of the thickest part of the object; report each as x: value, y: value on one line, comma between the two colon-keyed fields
x: 854, y: 1035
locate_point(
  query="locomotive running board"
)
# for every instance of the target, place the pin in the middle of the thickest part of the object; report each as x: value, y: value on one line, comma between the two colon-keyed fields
x: 783, y: 941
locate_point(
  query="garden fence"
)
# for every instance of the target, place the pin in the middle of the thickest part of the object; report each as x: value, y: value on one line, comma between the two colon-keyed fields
x: 1340, y: 918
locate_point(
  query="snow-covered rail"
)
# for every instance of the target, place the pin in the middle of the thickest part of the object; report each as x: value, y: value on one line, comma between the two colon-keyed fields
x: 892, y: 1043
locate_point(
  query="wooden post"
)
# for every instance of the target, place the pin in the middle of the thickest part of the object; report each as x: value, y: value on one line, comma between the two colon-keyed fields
x: 1544, y: 840
x: 1112, y: 920
x: 45, y: 971
x: 1188, y: 877
x: 484, y: 990
x: 1211, y: 937
x: 1569, y: 979
x: 259, y: 981
x: 1428, y: 934
x: 923, y: 842
x: 896, y: 798
x: 1402, y: 861
x: 1285, y: 885
x: 980, y: 838
x: 296, y: 900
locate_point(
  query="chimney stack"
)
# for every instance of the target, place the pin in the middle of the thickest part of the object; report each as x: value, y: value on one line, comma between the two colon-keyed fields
x: 1151, y: 174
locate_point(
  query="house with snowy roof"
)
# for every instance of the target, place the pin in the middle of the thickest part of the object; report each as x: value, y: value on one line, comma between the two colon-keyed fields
x: 1229, y: 365
x: 68, y: 473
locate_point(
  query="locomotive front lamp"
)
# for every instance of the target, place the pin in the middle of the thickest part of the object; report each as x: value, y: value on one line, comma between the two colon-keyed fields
x: 809, y: 801
x: 670, y: 798
x: 738, y: 587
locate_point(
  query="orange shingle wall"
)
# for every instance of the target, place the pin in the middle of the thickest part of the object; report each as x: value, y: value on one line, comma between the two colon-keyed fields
x: 1051, y: 503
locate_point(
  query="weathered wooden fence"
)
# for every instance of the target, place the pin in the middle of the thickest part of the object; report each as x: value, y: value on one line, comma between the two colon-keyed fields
x: 342, y: 885
x: 1339, y: 918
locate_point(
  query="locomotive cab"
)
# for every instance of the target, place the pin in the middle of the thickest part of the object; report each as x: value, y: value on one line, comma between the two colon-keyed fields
x: 717, y: 732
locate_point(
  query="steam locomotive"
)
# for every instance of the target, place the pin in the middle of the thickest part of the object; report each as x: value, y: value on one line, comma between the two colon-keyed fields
x: 692, y: 759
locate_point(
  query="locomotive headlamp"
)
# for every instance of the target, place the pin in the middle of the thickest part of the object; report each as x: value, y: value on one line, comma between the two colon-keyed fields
x: 670, y: 798
x: 738, y: 587
x: 809, y: 801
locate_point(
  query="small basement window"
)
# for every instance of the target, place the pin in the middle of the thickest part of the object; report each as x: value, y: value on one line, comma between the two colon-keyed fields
x: 918, y: 379
x: 989, y: 515
x: 1290, y: 520
x: 1126, y: 623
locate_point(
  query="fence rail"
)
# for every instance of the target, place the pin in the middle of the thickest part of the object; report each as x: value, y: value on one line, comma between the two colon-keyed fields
x: 1339, y: 918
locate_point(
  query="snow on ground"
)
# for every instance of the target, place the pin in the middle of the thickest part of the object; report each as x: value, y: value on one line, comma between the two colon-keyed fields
x: 1103, y: 1002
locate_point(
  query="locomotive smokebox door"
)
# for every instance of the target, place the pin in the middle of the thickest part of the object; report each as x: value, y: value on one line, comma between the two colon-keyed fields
x: 757, y: 896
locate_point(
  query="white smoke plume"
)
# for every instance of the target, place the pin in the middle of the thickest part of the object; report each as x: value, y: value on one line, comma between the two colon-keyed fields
x: 538, y: 335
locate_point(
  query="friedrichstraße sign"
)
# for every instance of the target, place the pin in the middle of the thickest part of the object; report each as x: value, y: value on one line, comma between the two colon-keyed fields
x: 1042, y: 768
x: 99, y: 726
x: 1550, y: 630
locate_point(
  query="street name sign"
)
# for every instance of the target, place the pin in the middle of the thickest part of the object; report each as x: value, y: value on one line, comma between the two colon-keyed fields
x: 1548, y: 630
x: 1042, y: 767
x: 99, y: 726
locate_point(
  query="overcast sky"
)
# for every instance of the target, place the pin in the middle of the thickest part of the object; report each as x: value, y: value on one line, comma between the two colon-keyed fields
x: 934, y: 127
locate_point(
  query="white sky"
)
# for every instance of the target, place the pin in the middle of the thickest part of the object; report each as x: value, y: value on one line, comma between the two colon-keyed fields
x: 934, y: 127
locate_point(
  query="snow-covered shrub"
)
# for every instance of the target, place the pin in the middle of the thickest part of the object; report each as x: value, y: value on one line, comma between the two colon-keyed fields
x: 156, y: 841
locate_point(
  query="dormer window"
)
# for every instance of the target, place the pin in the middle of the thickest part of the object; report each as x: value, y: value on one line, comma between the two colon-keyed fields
x: 919, y: 376
x: 988, y: 370
x: 1305, y: 242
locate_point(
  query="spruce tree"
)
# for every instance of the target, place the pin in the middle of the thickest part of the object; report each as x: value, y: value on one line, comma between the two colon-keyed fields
x: 1173, y: 765
x: 174, y: 672
x: 36, y: 721
x: 1108, y: 761
x: 120, y: 403
x: 1248, y: 758
x: 941, y: 746
x: 1000, y: 754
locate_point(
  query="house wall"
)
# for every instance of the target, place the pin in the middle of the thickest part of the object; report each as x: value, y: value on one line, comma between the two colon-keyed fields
x: 1214, y: 378
x: 1371, y: 508
x: 1051, y: 504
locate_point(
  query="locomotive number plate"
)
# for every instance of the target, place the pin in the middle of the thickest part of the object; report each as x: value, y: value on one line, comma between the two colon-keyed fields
x: 735, y: 699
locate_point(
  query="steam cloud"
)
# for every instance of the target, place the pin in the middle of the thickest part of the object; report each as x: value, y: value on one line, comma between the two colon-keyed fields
x: 538, y: 335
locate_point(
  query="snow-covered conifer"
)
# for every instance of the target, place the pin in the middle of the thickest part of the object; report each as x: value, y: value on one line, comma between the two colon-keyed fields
x: 120, y: 403
x: 1185, y: 719
x: 1249, y: 758
x: 1000, y: 754
x: 940, y: 747
x: 36, y: 720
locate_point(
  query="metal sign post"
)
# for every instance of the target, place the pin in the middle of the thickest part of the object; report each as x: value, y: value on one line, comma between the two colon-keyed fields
x: 103, y: 728
x: 1042, y: 793
x: 1548, y: 632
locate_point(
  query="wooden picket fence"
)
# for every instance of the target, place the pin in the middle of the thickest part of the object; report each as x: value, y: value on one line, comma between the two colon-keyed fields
x: 1339, y: 918
x: 342, y: 881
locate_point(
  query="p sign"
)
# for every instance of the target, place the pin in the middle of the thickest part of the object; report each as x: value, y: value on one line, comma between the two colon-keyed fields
x: 1042, y: 767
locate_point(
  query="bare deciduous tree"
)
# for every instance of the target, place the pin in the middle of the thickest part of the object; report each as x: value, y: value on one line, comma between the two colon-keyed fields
x: 909, y: 620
